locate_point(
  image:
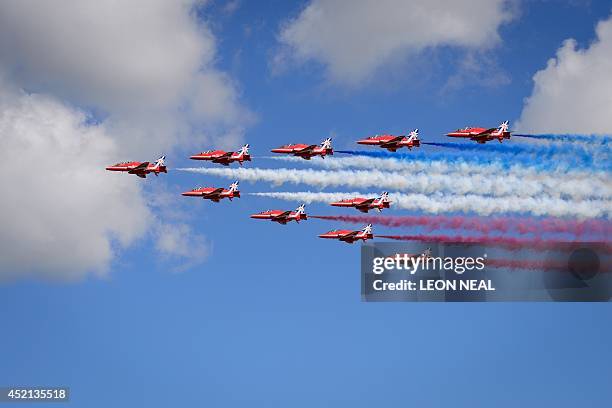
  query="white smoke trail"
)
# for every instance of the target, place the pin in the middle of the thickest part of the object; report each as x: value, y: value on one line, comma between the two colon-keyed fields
x: 450, y: 168
x: 476, y: 204
x: 504, y: 185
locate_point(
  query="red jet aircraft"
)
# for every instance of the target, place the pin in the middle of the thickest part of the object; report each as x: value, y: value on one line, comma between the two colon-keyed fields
x: 350, y: 236
x: 223, y: 157
x: 307, y: 151
x: 365, y: 204
x: 392, y: 143
x: 141, y: 169
x: 214, y: 194
x: 482, y: 135
x: 282, y: 217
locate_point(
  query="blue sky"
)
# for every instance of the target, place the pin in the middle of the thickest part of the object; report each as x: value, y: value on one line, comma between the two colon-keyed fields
x: 273, y: 317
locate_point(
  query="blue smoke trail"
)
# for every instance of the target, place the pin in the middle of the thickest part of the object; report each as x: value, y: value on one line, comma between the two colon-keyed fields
x: 591, y: 139
x: 467, y: 156
x: 514, y: 148
x: 577, y: 155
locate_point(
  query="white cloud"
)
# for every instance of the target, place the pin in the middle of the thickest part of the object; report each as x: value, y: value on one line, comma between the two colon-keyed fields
x: 148, y: 68
x: 356, y: 39
x: 141, y: 62
x: 62, y: 215
x: 573, y: 93
x: 181, y: 245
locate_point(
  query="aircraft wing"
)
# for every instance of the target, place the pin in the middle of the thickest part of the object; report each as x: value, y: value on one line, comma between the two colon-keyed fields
x: 365, y: 203
x: 486, y: 132
x: 224, y: 156
x: 140, y: 170
x: 307, y: 149
x: 349, y: 235
x: 393, y: 141
x: 282, y: 216
x: 141, y: 167
x: 213, y: 194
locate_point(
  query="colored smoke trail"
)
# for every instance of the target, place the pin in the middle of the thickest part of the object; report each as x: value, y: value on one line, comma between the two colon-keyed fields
x: 590, y: 139
x: 568, y: 152
x: 425, y: 183
x: 600, y: 228
x: 510, y: 243
x: 466, y: 204
x: 568, y: 163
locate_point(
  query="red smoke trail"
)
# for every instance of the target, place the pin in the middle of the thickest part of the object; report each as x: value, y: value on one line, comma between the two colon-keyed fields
x: 511, y: 243
x: 485, y: 226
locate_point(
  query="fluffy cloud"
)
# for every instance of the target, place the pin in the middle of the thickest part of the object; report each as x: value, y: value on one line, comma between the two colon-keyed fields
x: 61, y: 216
x: 180, y: 245
x: 572, y: 94
x: 147, y: 65
x: 103, y: 52
x: 354, y: 40
x: 146, y: 68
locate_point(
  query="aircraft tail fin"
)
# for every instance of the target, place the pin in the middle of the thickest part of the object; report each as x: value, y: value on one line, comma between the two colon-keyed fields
x: 233, y: 190
x: 160, y: 165
x: 502, y: 128
x: 327, y: 146
x: 383, y: 201
x: 160, y: 162
x: 244, y: 151
x: 300, y: 213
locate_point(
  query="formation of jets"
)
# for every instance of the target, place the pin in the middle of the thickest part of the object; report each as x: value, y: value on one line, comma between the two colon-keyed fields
x: 305, y: 151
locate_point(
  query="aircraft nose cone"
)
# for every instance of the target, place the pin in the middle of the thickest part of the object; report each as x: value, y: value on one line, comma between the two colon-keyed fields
x: 185, y: 193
